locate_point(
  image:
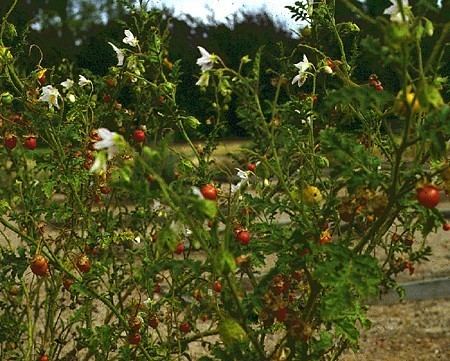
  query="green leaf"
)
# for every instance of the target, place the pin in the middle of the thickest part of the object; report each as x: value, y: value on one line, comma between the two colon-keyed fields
x: 4, y: 207
x: 231, y: 332
x: 207, y: 207
x: 48, y: 188
x: 224, y: 262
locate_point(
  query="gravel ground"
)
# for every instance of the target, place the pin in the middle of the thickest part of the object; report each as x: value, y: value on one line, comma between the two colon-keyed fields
x: 411, y: 331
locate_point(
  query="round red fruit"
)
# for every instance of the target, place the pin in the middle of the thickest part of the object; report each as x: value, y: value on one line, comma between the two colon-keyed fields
x: 134, y: 338
x: 39, y: 265
x: 185, y: 327
x: 243, y: 237
x: 251, y: 167
x: 428, y: 196
x: 209, y: 192
x: 10, y: 141
x: 135, y: 323
x: 281, y: 314
x: 106, y: 98
x: 67, y: 283
x: 217, y: 286
x: 153, y: 322
x: 42, y: 79
x: 446, y: 226
x: 83, y: 263
x: 139, y: 135
x: 157, y: 288
x: 180, y: 248
x: 43, y: 358
x: 30, y: 142
x: 105, y: 189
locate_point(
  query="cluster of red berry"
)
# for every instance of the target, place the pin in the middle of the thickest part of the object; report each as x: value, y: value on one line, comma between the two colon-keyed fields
x: 375, y: 83
x: 10, y: 142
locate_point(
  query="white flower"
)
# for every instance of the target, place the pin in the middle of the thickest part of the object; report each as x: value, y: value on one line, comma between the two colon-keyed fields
x: 67, y: 84
x: 187, y: 232
x: 109, y: 142
x: 207, y: 60
x: 243, y: 175
x: 302, y: 67
x: 137, y: 239
x: 50, y: 95
x: 71, y: 98
x: 119, y: 53
x: 130, y: 39
x: 327, y: 69
x: 197, y: 192
x: 395, y: 12
x: 149, y: 302
x: 83, y: 81
x: 203, y: 80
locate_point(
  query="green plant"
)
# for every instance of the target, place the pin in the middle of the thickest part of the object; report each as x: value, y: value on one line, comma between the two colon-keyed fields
x: 116, y: 245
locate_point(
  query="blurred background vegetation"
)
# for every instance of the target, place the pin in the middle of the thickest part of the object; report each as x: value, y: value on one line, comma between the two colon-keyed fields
x: 79, y: 30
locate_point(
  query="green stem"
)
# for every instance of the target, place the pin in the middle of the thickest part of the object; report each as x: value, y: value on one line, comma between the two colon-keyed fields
x: 241, y: 312
x: 5, y: 19
x: 438, y: 46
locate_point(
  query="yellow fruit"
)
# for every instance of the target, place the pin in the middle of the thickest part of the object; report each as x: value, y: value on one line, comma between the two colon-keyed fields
x: 403, y: 107
x: 311, y: 195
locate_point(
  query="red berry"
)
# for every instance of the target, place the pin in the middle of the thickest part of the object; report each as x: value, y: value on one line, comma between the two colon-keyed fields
x: 39, y: 265
x: 42, y: 78
x: 185, y: 327
x: 135, y: 323
x: 209, y: 192
x: 428, y: 196
x: 331, y: 64
x: 10, y: 141
x: 139, y: 135
x: 67, y: 283
x: 157, y: 288
x: 180, y: 248
x: 105, y: 190
x: 111, y: 82
x: 197, y: 294
x: 153, y: 322
x: 281, y: 314
x: 83, y: 263
x: 446, y: 226
x: 106, y: 98
x: 379, y: 87
x: 30, y: 142
x: 251, y: 167
x: 134, y: 338
x: 243, y: 237
x: 43, y: 358
x: 304, y: 252
x: 217, y: 286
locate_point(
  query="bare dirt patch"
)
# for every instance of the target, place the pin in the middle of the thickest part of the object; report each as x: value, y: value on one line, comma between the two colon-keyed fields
x: 411, y: 331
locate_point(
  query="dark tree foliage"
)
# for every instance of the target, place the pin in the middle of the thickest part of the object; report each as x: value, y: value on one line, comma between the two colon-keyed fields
x: 80, y: 29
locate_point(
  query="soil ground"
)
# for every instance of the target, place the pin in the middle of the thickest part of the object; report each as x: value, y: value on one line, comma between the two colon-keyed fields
x: 411, y: 331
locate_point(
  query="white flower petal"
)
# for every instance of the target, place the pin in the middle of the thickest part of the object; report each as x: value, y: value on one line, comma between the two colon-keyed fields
x: 83, y: 81
x: 197, y: 192
x: 119, y: 53
x: 67, y: 84
x: 130, y: 39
